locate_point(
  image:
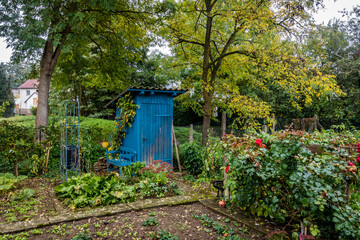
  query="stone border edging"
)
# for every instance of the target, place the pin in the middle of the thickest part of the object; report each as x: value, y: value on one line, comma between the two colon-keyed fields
x: 98, y: 212
x: 213, y: 206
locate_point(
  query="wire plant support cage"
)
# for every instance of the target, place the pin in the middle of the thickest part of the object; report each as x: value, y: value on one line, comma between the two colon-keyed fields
x: 70, y: 165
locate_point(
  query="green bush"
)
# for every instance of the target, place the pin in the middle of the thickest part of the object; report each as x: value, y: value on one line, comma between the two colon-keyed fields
x: 92, y: 190
x: 191, y: 155
x: 33, y: 111
x: 285, y: 181
x: 8, y: 181
x: 182, y: 135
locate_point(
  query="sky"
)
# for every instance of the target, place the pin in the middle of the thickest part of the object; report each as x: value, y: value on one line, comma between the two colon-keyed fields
x: 330, y: 11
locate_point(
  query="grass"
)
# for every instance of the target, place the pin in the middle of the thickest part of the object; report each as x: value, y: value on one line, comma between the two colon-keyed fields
x: 85, y: 122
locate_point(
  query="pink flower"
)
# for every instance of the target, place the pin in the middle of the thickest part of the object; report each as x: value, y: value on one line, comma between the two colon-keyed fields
x: 358, y: 150
x: 264, y: 146
x: 258, y: 142
x: 350, y: 163
x: 222, y: 203
x: 358, y: 145
x: 227, y: 169
x: 358, y: 160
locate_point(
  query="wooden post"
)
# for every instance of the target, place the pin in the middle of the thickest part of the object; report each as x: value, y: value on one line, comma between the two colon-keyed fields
x: 223, y: 123
x: 191, y: 133
x: 315, y: 123
x: 176, y: 149
x: 264, y: 128
x: 274, y: 123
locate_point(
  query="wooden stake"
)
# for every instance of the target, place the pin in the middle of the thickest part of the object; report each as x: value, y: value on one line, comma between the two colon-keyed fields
x: 223, y: 123
x: 176, y: 149
x: 191, y: 133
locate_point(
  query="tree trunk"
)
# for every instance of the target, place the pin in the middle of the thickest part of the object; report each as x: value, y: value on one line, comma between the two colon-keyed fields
x: 206, y: 87
x: 16, y: 168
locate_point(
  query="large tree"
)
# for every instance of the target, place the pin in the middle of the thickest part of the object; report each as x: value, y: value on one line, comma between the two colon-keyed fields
x: 41, y: 30
x: 212, y: 35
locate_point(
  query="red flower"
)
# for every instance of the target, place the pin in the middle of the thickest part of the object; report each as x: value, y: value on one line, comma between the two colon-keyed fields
x: 227, y: 169
x: 222, y: 203
x: 264, y: 146
x: 358, y: 145
x: 358, y: 160
x: 350, y: 163
x: 258, y: 142
x: 344, y: 170
x: 358, y: 150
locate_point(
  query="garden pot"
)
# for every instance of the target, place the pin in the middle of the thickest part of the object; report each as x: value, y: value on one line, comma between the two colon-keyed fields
x: 105, y: 144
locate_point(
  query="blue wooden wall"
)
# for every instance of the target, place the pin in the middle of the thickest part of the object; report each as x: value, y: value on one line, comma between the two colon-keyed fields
x: 150, y: 135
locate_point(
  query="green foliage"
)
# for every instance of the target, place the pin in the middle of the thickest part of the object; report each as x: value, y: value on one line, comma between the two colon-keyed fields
x: 24, y: 195
x: 33, y: 110
x: 286, y: 181
x: 82, y: 236
x: 223, y: 231
x: 8, y: 181
x: 182, y: 135
x: 191, y: 155
x: 6, y: 97
x: 133, y: 169
x: 17, y: 143
x: 124, y: 120
x: 163, y: 235
x: 92, y: 190
x: 151, y: 221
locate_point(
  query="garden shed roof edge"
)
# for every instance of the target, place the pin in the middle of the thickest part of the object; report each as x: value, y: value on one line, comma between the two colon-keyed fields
x: 174, y: 91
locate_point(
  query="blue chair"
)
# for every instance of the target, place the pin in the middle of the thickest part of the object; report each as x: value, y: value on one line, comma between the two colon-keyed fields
x: 123, y: 157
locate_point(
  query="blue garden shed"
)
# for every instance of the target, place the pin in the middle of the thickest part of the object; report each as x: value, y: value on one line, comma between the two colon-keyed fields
x: 150, y: 136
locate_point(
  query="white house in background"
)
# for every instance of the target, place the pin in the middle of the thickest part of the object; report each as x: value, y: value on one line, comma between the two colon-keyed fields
x: 26, y: 96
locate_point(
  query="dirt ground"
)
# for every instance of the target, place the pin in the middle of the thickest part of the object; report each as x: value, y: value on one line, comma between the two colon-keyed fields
x: 179, y: 221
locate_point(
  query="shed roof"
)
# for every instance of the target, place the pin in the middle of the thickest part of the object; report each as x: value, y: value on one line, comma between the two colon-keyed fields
x: 31, y: 83
x: 171, y: 91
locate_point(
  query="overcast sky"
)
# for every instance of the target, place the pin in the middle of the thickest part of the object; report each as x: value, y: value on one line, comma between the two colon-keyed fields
x: 331, y: 11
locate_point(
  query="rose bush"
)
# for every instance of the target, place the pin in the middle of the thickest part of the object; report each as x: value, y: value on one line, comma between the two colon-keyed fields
x: 289, y: 183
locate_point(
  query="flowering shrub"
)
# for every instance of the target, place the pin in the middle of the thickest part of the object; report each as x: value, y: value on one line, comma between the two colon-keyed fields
x: 289, y: 183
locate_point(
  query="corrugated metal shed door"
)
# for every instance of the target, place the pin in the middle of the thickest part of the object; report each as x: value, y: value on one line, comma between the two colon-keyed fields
x: 155, y: 132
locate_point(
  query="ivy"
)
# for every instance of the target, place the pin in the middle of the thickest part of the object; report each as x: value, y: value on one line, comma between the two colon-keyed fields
x: 124, y: 120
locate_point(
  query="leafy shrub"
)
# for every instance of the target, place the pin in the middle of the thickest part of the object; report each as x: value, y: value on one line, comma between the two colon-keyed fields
x: 191, y: 154
x: 8, y: 180
x: 285, y: 180
x: 33, y: 110
x: 182, y: 135
x: 133, y: 169
x: 92, y: 190
x: 17, y: 143
x: 151, y: 221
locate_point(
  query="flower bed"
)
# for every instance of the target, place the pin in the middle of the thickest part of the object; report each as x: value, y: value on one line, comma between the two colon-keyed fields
x: 277, y: 176
x: 138, y: 181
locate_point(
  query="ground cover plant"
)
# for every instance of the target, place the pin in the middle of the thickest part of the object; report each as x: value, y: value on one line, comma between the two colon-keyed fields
x: 92, y: 190
x: 175, y: 222
x: 277, y: 176
x: 26, y: 200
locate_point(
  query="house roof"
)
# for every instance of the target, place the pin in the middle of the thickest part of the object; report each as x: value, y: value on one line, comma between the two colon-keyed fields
x: 173, y: 91
x: 31, y: 83
x: 31, y: 96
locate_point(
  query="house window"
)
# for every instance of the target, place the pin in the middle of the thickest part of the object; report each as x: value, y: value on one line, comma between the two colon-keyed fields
x: 27, y: 92
x: 35, y: 101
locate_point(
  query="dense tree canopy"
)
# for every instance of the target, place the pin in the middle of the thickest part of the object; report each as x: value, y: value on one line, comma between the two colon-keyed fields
x: 235, y: 44
x: 41, y: 30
